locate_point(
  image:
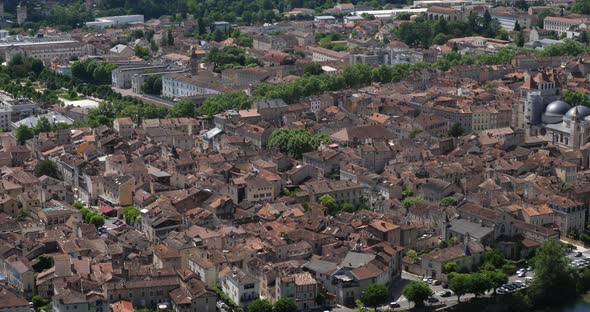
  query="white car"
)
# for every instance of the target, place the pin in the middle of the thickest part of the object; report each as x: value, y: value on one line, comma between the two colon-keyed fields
x: 521, y: 274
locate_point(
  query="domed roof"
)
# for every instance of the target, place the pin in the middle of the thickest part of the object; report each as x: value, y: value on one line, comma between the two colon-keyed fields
x: 579, y: 112
x: 557, y: 108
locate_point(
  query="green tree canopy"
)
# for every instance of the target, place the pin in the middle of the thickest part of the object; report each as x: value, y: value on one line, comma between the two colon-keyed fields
x: 296, y: 142
x: 48, y: 168
x: 456, y: 130
x: 285, y: 304
x: 260, y: 305
x: 130, y: 214
x: 152, y: 85
x: 374, y: 295
x: 43, y: 125
x: 229, y: 100
x: 552, y: 272
x: 43, y: 263
x: 459, y: 283
x: 24, y: 133
x: 313, y: 69
x: 448, y: 201
x: 574, y: 98
x: 97, y: 220
x: 417, y: 292
x: 184, y: 108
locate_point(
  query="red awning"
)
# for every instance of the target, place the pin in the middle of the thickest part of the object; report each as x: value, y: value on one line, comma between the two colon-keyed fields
x: 106, y: 209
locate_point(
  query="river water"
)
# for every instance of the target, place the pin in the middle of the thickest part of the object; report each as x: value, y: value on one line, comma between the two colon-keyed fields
x: 581, y: 305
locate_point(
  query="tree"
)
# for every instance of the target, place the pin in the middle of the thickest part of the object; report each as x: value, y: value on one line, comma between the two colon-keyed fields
x: 478, y: 283
x: 184, y: 108
x: 97, y: 220
x: 568, y: 47
x: 374, y: 295
x: 43, y: 263
x: 417, y: 292
x: 24, y: 133
x: 296, y: 142
x: 43, y: 125
x: 78, y: 205
x: 443, y: 244
x: 411, y: 201
x: 519, y: 40
x: 450, y: 267
x: 581, y: 6
x: 552, y: 272
x: 130, y: 214
x: 170, y: 38
x: 574, y: 98
x: 285, y: 304
x: 229, y: 100
x: 313, y: 69
x: 496, y: 278
x: 448, y: 201
x: 39, y: 301
x: 22, y: 214
x: 517, y: 26
x: 260, y: 305
x: 48, y: 168
x: 329, y: 202
x: 141, y: 51
x: 456, y: 130
x: 494, y: 257
x: 459, y: 283
x: 152, y: 85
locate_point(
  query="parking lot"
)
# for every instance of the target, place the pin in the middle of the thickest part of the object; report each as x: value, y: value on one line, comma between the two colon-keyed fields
x: 445, y: 296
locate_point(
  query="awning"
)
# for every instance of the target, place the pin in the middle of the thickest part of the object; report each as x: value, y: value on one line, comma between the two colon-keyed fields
x: 106, y: 209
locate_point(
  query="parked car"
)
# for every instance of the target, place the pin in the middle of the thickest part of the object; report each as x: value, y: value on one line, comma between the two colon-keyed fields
x: 521, y: 274
x: 578, y: 254
x: 432, y: 300
x: 445, y: 285
x: 435, y: 282
x: 446, y: 293
x: 394, y: 304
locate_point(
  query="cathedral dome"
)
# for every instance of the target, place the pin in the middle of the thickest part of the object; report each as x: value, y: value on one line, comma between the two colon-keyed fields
x: 579, y: 112
x: 557, y: 108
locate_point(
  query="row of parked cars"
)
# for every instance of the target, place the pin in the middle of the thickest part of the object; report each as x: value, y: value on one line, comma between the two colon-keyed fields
x: 514, y: 286
x: 581, y: 262
x: 431, y: 281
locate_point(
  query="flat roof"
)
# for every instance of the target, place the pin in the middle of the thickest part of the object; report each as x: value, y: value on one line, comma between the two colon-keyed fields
x: 26, y: 43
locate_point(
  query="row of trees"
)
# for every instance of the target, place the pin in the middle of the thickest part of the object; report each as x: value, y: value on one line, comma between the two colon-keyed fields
x: 332, y: 207
x: 284, y: 304
x: 89, y: 216
x: 296, y: 142
x: 92, y: 71
x: 230, y: 57
x: 553, y: 271
x: 423, y: 33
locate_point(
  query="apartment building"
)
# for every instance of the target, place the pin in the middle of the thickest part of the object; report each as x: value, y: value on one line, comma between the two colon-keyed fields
x: 47, y: 50
x: 185, y: 85
x: 241, y: 287
x: 301, y: 287
x: 320, y: 54
x: 121, y: 76
x: 561, y: 24
x: 341, y: 191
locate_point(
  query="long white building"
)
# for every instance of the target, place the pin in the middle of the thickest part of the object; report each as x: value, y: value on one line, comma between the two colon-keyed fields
x: 110, y: 21
x: 186, y: 85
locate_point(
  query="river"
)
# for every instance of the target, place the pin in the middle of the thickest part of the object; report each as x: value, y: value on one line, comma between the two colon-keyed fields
x: 581, y: 305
